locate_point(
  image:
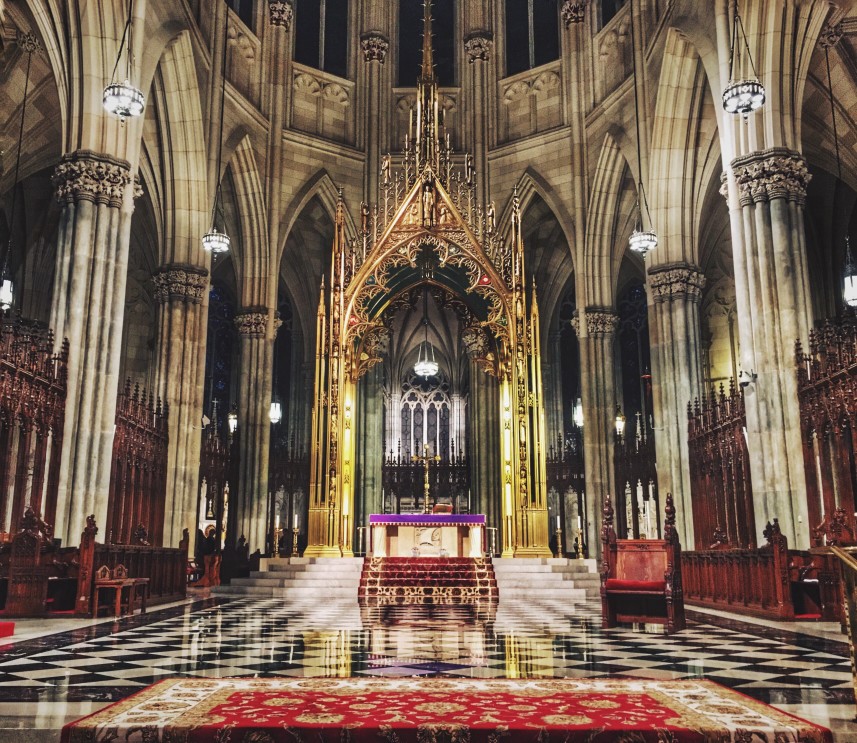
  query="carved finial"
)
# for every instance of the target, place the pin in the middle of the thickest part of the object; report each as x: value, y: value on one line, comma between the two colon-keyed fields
x: 427, y: 69
x: 670, y: 533
x: 608, y: 511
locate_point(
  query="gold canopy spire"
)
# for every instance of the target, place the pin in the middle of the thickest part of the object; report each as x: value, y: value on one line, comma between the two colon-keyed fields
x: 428, y: 125
x: 428, y: 50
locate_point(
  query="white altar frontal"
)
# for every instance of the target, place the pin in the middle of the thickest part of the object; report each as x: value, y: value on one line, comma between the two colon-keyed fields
x: 427, y: 535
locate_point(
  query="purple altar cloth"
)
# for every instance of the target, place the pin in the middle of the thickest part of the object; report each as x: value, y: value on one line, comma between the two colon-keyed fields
x: 427, y: 519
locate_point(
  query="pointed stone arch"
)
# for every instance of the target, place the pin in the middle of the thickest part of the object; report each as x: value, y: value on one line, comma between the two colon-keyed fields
x: 600, y: 260
x: 673, y: 168
x: 253, y: 265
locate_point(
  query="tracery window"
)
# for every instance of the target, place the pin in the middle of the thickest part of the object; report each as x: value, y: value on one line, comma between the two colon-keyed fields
x: 321, y: 35
x: 425, y: 415
x: 532, y: 34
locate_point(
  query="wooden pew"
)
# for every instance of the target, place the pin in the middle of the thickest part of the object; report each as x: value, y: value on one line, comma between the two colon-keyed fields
x: 641, y: 578
x: 38, y: 579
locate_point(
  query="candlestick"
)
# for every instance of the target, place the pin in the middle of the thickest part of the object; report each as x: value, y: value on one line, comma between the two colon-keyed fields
x: 278, y: 532
x: 558, y: 540
x: 579, y: 548
x: 295, y: 533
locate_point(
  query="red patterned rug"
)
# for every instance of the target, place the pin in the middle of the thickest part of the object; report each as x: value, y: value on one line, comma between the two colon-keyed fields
x: 416, y: 710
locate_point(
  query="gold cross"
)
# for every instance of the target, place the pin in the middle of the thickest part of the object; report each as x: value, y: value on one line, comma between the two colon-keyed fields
x: 426, y: 459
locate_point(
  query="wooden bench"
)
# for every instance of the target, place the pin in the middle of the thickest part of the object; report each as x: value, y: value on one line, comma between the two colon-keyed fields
x: 641, y: 578
x: 126, y: 592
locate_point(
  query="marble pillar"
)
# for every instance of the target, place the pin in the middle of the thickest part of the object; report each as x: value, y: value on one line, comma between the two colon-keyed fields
x: 256, y: 330
x: 374, y: 46
x: 597, y: 335
x: 478, y: 45
x: 370, y: 446
x: 773, y: 307
x: 484, y: 445
x: 96, y: 194
x: 181, y: 291
x: 675, y: 291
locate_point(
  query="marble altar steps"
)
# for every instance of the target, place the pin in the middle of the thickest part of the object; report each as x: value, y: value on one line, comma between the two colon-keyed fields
x: 403, y: 580
x: 308, y: 579
x: 555, y: 580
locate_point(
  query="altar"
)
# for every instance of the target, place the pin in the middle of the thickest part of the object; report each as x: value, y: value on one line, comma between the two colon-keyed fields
x: 427, y: 535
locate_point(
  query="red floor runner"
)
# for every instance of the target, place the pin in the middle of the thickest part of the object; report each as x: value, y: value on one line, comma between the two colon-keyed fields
x: 416, y: 710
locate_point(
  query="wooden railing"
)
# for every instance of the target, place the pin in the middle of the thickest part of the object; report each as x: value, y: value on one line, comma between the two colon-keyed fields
x: 138, y: 474
x: 32, y: 412
x: 38, y: 579
x: 827, y: 392
x: 721, y: 490
x: 402, y: 480
x: 772, y: 582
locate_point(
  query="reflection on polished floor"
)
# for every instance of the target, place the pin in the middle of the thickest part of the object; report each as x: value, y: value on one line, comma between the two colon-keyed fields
x: 47, y: 680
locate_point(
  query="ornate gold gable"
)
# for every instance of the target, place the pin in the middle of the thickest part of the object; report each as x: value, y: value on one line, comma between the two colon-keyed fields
x: 428, y: 228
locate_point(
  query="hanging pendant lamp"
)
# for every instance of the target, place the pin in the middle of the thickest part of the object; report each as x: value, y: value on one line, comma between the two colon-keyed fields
x: 426, y: 365
x: 741, y: 96
x: 28, y: 43
x: 642, y: 241
x: 216, y: 241
x: 123, y: 99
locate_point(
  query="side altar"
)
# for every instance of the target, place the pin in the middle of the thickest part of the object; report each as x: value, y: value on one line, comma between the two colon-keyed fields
x: 427, y: 535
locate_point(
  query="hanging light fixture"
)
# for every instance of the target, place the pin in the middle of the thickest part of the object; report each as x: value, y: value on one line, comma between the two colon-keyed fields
x: 232, y: 421
x: 578, y: 413
x: 426, y: 366
x: 620, y: 422
x: 276, y: 412
x: 29, y: 43
x: 121, y: 98
x: 214, y: 241
x: 741, y: 96
x: 849, y: 289
x: 642, y: 241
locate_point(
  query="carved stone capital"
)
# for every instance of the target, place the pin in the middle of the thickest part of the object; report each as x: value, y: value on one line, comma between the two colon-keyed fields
x: 252, y: 322
x: 280, y: 13
x: 374, y: 46
x: 830, y: 36
x: 180, y: 283
x: 601, y: 321
x: 676, y: 280
x: 477, y: 46
x: 573, y: 11
x: 777, y: 173
x: 88, y: 176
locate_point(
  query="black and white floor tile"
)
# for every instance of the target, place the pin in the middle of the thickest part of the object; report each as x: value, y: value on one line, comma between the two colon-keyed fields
x: 219, y: 637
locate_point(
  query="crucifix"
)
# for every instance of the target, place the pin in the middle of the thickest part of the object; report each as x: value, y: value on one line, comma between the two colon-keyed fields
x: 426, y: 459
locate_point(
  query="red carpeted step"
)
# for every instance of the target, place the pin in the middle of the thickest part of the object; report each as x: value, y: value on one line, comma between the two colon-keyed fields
x: 429, y: 580
x: 7, y: 629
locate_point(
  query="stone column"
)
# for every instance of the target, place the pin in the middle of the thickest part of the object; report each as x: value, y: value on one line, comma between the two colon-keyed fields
x: 256, y: 330
x: 484, y: 445
x: 96, y: 193
x: 675, y: 292
x: 181, y: 293
x: 370, y: 445
x: 774, y: 311
x: 477, y: 49
x: 598, y: 396
x: 552, y: 373
x: 374, y: 45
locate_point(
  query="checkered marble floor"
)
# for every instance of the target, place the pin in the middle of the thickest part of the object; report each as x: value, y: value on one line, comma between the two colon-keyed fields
x: 220, y: 637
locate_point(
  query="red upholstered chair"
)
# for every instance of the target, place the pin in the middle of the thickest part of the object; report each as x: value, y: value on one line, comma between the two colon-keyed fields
x: 641, y: 578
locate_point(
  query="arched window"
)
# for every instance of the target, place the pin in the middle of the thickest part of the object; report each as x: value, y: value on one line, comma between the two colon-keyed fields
x: 532, y: 34
x: 243, y: 9
x: 425, y: 415
x: 410, y: 41
x: 321, y: 35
